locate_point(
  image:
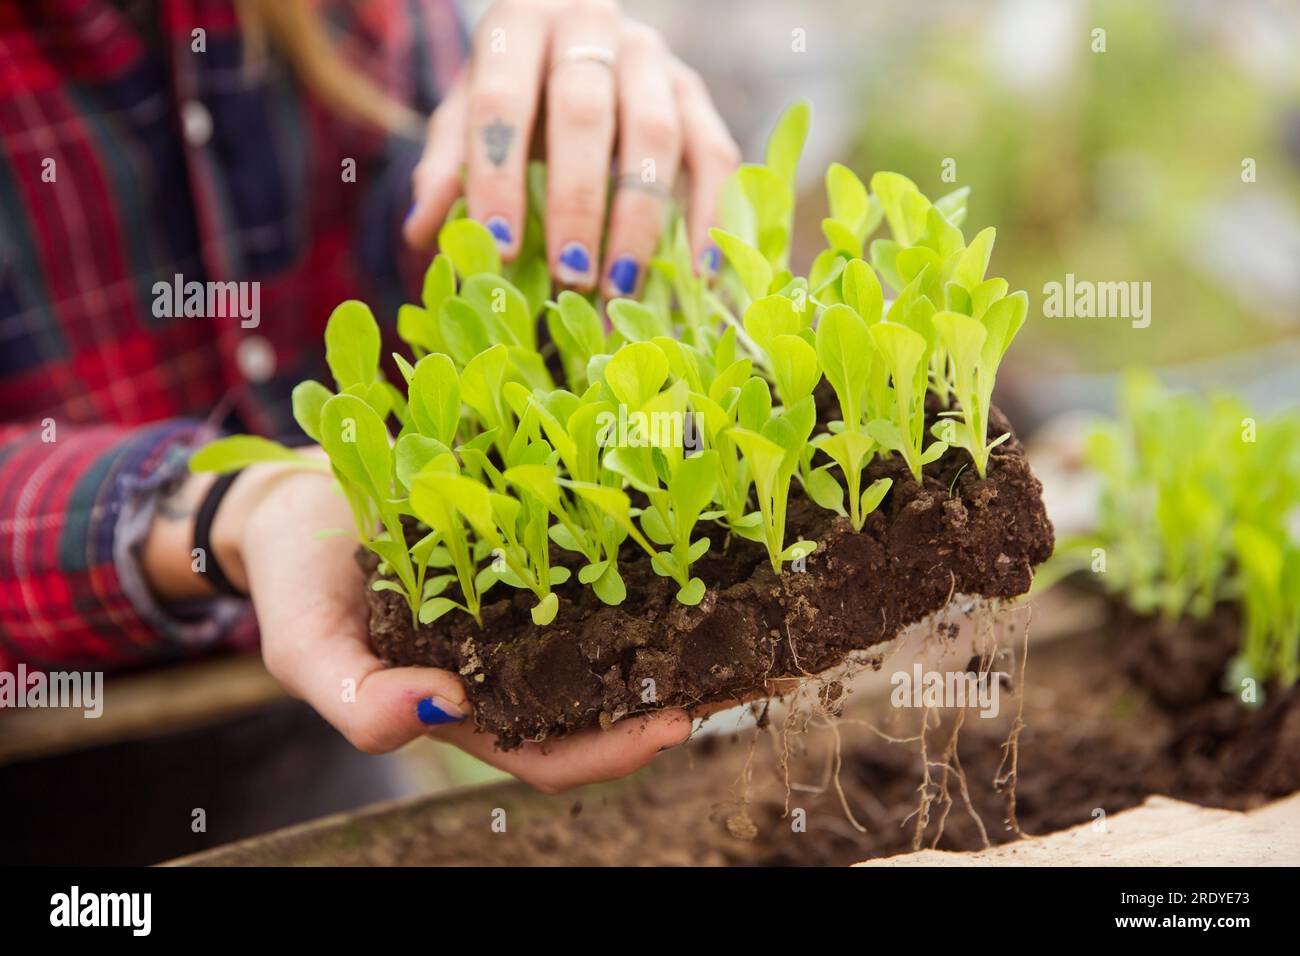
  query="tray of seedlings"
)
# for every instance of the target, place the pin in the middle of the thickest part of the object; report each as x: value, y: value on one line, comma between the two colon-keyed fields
x: 590, y: 509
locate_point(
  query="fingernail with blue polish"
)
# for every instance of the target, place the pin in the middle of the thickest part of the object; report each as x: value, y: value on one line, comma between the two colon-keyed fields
x: 623, y: 274
x: 500, y: 230
x: 575, y: 263
x: 435, y: 710
x: 710, y: 259
x: 410, y: 212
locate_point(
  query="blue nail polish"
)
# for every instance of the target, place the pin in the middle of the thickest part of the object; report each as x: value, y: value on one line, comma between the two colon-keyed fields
x: 431, y: 714
x: 500, y: 230
x: 576, y: 260
x: 623, y: 274
x: 410, y: 212
x: 710, y: 259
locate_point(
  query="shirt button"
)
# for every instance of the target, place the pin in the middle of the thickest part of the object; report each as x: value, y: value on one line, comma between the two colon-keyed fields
x: 196, y: 123
x: 256, y: 359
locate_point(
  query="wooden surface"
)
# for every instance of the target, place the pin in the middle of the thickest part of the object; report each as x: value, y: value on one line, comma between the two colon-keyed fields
x: 142, y: 704
x: 1161, y: 832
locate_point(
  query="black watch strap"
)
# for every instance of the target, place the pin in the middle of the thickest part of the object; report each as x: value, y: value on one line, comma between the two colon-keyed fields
x: 211, y: 567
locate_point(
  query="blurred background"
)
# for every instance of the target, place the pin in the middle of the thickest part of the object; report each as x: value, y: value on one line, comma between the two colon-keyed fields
x: 1173, y: 157
x: 1115, y: 141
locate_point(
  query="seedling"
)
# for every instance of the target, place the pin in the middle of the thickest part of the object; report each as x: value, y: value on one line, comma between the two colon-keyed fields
x: 1196, y: 509
x: 503, y: 460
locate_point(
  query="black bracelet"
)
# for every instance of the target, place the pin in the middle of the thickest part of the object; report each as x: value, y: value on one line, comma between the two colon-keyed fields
x: 211, y: 567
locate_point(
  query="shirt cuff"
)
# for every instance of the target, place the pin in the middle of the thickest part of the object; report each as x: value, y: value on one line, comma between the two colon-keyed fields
x: 163, y: 455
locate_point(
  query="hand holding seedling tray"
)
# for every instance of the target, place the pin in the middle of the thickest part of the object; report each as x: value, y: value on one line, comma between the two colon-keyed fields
x: 847, y: 477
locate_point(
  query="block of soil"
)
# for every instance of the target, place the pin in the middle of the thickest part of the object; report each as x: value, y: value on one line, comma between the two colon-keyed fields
x: 595, y: 664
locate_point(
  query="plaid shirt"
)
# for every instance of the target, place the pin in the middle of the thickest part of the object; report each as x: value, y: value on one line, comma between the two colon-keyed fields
x: 133, y: 152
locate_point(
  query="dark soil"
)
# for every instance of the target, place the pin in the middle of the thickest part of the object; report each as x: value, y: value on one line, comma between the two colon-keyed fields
x: 954, y: 534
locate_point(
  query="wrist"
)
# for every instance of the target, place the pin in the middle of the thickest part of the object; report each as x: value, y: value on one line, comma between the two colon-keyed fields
x: 258, y: 494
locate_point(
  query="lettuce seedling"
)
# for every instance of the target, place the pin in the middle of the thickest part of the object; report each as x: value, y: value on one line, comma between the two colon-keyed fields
x: 846, y: 351
x: 1194, y: 507
x: 976, y: 347
x: 504, y: 450
x: 903, y: 352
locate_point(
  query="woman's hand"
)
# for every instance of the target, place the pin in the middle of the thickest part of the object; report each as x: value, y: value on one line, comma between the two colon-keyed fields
x: 598, y: 78
x: 309, y: 595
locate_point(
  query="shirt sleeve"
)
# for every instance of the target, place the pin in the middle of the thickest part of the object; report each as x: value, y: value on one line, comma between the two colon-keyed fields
x: 75, y: 507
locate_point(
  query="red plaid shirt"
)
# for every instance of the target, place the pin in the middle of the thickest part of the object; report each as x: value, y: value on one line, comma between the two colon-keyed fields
x: 131, y: 153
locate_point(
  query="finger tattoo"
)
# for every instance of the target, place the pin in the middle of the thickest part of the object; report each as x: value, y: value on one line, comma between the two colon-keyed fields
x: 497, y: 137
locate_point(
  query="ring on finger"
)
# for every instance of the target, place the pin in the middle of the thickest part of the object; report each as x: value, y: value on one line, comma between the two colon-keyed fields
x: 652, y: 186
x: 585, y: 53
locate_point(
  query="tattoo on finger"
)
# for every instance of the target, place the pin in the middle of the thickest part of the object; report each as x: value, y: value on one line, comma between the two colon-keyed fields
x: 497, y: 138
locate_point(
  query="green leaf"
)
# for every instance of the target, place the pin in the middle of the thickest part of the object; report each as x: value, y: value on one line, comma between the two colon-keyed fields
x: 1003, y: 320
x: 609, y: 587
x: 785, y: 145
x: 849, y: 450
x: 884, y: 259
x: 974, y: 261
x: 634, y: 321
x: 795, y: 368
x: 352, y: 344
x: 751, y: 265
x: 770, y: 316
x: 635, y: 373
x: 418, y: 328
x: 539, y: 481
x: 357, y: 443
x: 754, y: 405
x: 848, y: 198
x: 435, y: 608
x: 800, y: 549
x: 439, y: 284
x: 462, y: 330
x: 308, y: 399
x: 435, y: 398
x: 692, y: 593
x: 482, y: 384
x: 240, y: 451
x: 470, y: 247
x: 890, y: 189
x: 412, y: 454
x: 765, y: 458
x: 844, y: 352
x: 953, y: 205
x: 470, y: 498
x: 841, y: 238
x: 875, y: 494
x: 503, y: 309
x: 691, y: 489
x: 823, y: 489
x: 861, y: 291
x: 544, y: 611
x: 962, y: 336
x: 577, y: 332
x: 933, y: 452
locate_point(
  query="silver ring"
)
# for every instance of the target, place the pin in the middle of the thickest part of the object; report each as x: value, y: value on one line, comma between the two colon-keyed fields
x: 653, y: 187
x: 585, y: 52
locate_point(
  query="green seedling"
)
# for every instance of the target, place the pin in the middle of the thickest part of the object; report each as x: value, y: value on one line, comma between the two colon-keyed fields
x: 685, y: 421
